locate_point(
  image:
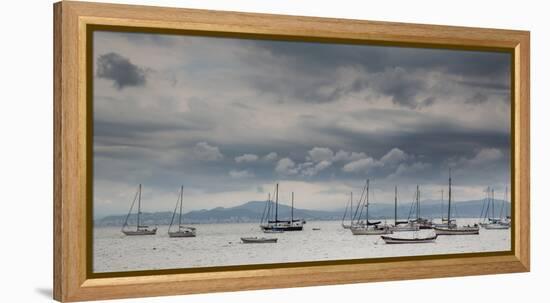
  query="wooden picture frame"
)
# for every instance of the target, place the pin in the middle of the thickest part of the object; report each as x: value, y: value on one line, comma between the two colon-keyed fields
x: 72, y: 151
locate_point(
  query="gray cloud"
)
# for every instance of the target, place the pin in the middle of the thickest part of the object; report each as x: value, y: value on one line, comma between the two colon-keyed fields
x: 115, y: 67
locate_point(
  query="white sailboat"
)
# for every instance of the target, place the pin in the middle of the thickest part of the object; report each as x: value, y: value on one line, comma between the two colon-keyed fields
x: 454, y: 229
x: 503, y: 222
x: 350, y: 204
x: 402, y: 225
x: 366, y: 228
x: 141, y: 230
x: 422, y: 223
x: 182, y: 231
x: 444, y: 221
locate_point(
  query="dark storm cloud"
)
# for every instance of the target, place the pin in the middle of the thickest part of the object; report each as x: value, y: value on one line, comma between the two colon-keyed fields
x: 400, y: 72
x: 316, y: 57
x: 115, y: 67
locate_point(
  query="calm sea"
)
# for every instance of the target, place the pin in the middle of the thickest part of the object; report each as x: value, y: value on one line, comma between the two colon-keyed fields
x: 220, y: 245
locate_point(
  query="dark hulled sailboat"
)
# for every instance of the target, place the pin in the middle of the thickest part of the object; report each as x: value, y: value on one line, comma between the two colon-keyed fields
x: 282, y: 225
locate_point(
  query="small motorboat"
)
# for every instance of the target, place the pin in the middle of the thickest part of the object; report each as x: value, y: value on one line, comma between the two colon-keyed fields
x: 254, y: 240
x: 400, y: 240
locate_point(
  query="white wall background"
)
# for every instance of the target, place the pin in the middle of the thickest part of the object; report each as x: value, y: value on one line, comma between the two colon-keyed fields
x: 26, y: 149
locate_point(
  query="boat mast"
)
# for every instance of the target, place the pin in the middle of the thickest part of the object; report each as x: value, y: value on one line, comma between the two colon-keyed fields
x: 395, y: 208
x: 350, y: 208
x: 139, y: 208
x: 292, y: 210
x: 277, y: 203
x: 493, y: 202
x: 449, y: 209
x: 506, y: 201
x: 417, y: 203
x: 181, y: 206
x: 442, y: 215
x: 367, y: 203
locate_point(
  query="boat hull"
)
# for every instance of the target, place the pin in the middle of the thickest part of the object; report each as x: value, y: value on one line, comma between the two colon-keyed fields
x: 457, y: 231
x: 369, y: 232
x: 407, y: 227
x: 182, y: 234
x: 258, y: 240
x: 148, y: 232
x: 394, y: 240
x: 496, y: 226
x: 283, y: 226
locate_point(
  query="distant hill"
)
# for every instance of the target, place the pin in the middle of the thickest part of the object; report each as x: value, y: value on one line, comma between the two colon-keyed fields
x: 252, y: 212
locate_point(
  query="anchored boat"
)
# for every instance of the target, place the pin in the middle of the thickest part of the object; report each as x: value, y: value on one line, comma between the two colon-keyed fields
x: 141, y: 230
x: 361, y: 228
x: 256, y: 240
x: 414, y: 240
x: 182, y: 231
x: 451, y: 229
x: 350, y: 204
x: 401, y: 225
x: 276, y: 224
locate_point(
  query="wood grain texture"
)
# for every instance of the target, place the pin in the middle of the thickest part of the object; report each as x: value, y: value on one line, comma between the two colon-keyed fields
x: 71, y: 151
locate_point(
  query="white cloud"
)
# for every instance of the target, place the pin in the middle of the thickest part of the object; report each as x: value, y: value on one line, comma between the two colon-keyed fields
x: 206, y: 152
x: 272, y: 156
x: 318, y: 154
x: 240, y: 174
x: 342, y: 155
x: 486, y: 155
x: 286, y: 166
x: 394, y: 157
x: 313, y: 170
x: 246, y: 158
x: 361, y: 165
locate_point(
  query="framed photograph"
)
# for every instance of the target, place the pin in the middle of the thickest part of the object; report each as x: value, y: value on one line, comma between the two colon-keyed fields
x: 204, y: 151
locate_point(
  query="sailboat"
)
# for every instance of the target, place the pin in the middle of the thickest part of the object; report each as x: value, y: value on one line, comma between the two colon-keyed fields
x: 422, y: 223
x: 182, y: 231
x: 368, y: 228
x: 267, y: 215
x: 350, y: 204
x: 141, y: 230
x: 402, y: 225
x: 488, y: 204
x: 502, y: 222
x: 444, y: 221
x: 451, y: 229
x: 284, y: 225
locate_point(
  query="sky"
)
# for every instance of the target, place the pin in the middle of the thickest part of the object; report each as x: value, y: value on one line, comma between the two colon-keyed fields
x: 228, y: 118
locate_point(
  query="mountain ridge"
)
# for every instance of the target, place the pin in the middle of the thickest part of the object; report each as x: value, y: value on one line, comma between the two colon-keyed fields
x: 252, y: 211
